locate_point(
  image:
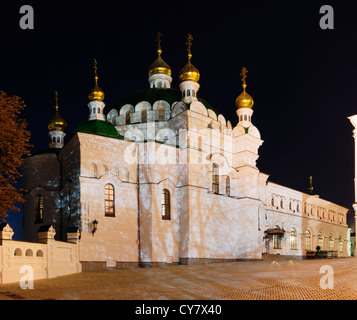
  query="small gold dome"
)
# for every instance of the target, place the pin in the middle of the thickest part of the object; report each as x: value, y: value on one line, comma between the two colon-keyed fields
x: 57, y: 123
x: 189, y: 72
x: 244, y: 100
x: 96, y: 94
x: 159, y: 66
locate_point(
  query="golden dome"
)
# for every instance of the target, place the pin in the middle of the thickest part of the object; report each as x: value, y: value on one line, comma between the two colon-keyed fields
x: 96, y: 94
x: 244, y: 100
x: 159, y: 66
x: 57, y: 123
x: 189, y: 72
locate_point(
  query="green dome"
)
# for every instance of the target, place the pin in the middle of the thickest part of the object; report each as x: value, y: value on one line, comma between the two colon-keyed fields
x: 99, y: 127
x: 152, y: 95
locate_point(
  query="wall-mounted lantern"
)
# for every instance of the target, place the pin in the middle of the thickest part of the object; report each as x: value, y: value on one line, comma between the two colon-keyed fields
x: 95, y: 224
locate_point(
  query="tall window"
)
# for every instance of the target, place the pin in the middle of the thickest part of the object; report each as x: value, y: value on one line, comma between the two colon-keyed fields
x: 39, y: 209
x: 109, y: 200
x: 144, y: 115
x: 127, y: 117
x: 215, y: 178
x: 161, y: 114
x: 228, y: 186
x: 320, y: 240
x: 307, y: 240
x: 330, y: 242
x: 340, y: 244
x: 165, y: 205
x: 293, y: 239
x: 277, y: 239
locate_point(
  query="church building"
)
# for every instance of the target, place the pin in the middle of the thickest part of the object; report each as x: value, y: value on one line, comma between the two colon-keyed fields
x: 163, y: 178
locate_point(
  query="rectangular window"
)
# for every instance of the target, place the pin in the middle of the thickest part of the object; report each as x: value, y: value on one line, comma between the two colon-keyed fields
x: 276, y: 241
x: 165, y: 205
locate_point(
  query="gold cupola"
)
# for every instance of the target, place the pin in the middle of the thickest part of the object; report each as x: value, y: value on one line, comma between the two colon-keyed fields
x: 96, y: 93
x: 57, y: 123
x: 189, y: 72
x: 159, y: 66
x: 244, y: 100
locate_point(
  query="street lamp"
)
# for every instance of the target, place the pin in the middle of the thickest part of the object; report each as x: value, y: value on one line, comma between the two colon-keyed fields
x: 95, y: 224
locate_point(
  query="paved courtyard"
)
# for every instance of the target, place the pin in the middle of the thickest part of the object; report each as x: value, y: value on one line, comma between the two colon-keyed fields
x: 260, y: 280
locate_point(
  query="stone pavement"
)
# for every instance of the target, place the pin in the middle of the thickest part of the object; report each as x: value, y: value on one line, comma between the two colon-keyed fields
x: 259, y: 280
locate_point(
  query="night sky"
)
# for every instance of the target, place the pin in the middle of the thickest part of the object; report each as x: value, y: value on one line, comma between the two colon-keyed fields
x: 302, y: 78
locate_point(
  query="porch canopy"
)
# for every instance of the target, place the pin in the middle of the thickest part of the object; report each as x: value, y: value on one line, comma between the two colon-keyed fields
x: 275, y: 231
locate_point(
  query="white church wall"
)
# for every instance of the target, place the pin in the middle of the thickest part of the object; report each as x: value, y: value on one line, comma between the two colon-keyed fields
x: 116, y: 236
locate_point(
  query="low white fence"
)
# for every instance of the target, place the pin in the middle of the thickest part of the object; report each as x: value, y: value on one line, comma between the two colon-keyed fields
x: 46, y: 259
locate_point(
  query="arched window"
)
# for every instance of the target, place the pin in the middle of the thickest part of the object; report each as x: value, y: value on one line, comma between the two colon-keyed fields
x: 183, y: 93
x: 272, y: 201
x: 307, y: 240
x: 98, y: 110
x: 39, y: 209
x: 161, y: 114
x: 193, y: 93
x: 320, y: 240
x: 94, y: 110
x: 165, y: 205
x: 109, y: 200
x: 39, y: 253
x: 282, y: 203
x: 293, y: 239
x: 245, y: 117
x: 228, y: 186
x: 330, y: 242
x: 127, y: 117
x: 298, y: 207
x: 340, y: 244
x: 144, y: 115
x: 215, y: 178
x: 188, y: 92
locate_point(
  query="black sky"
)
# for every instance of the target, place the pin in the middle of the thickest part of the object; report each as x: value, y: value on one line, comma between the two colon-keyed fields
x: 302, y: 78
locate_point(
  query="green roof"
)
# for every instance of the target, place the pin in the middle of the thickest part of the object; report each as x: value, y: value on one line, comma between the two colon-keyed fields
x: 152, y: 95
x: 99, y: 127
